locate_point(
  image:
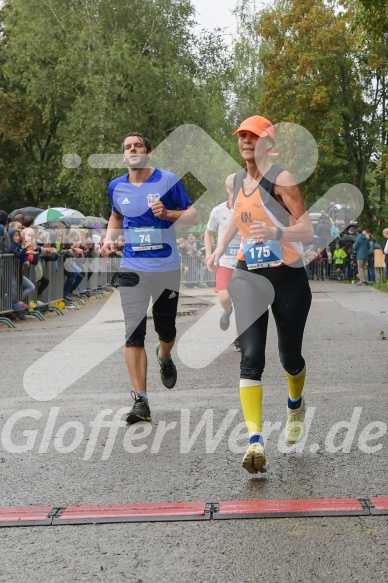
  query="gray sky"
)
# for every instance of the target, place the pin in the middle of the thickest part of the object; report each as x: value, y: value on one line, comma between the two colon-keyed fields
x: 216, y: 13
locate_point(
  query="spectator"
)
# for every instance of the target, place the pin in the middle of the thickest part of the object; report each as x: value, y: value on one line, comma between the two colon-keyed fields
x: 28, y: 221
x: 309, y: 256
x: 319, y: 265
x: 339, y: 257
x: 335, y: 231
x: 201, y: 242
x: 361, y: 247
x: 191, y: 238
x: 119, y: 246
x: 4, y: 237
x: 21, y: 252
x: 324, y: 230
x: 16, y: 223
x: 332, y: 212
x: 64, y: 246
x: 371, y: 257
x: 385, y: 251
x: 183, y: 249
x: 329, y: 261
x: 352, y: 265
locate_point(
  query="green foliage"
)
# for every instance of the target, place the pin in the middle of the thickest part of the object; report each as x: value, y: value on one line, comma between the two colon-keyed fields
x: 75, y: 77
x: 321, y: 72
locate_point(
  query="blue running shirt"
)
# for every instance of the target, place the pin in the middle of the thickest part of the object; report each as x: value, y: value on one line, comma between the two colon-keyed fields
x: 150, y: 243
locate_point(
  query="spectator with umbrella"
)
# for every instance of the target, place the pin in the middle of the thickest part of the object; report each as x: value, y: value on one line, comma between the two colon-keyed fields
x: 94, y: 223
x: 56, y: 214
x: 32, y: 211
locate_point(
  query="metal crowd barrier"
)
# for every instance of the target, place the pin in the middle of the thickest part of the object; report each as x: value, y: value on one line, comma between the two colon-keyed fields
x: 97, y: 278
x: 195, y: 273
x: 54, y: 272
x: 97, y: 273
x: 193, y: 269
x: 10, y: 282
x: 321, y: 270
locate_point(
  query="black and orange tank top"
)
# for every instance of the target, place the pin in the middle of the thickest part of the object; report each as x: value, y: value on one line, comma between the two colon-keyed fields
x: 261, y: 205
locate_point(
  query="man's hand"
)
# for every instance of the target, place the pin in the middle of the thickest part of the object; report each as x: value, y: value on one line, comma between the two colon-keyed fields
x: 213, y: 261
x: 160, y: 211
x: 108, y: 248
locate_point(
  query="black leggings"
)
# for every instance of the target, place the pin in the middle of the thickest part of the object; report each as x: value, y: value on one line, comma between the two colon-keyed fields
x: 287, y: 290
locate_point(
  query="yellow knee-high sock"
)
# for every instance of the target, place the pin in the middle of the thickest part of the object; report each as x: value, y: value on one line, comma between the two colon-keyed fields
x: 296, y: 384
x: 251, y: 396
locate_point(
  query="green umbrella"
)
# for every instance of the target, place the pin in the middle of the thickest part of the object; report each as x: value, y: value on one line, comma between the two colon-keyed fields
x: 55, y: 214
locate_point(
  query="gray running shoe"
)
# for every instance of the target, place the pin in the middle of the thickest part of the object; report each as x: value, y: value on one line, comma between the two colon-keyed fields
x: 225, y: 320
x: 140, y: 411
x: 168, y: 373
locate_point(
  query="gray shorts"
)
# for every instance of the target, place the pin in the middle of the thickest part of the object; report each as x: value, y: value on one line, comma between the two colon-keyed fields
x: 137, y: 288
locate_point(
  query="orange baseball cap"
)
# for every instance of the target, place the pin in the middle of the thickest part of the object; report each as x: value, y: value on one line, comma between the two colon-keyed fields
x: 258, y: 125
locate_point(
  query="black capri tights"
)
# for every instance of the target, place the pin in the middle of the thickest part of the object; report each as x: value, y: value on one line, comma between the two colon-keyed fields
x: 287, y: 291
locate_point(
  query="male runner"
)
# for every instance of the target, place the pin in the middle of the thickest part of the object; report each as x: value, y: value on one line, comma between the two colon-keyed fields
x: 146, y: 202
x: 218, y: 221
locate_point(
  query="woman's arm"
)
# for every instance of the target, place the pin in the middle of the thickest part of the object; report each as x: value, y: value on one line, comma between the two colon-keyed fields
x: 289, y: 194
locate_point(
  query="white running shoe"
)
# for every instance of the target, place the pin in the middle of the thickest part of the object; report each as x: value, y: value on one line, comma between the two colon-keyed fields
x: 295, y: 423
x: 254, y: 459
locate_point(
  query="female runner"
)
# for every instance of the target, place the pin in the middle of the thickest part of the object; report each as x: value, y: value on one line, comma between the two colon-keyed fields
x: 270, y: 214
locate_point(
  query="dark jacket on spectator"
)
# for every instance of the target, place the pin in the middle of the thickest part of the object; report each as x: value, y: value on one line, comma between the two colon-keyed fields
x: 4, y: 240
x: 17, y: 249
x: 361, y: 246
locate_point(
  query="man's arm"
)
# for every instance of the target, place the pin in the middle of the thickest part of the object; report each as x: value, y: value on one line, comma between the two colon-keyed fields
x: 114, y: 229
x: 230, y: 188
x: 186, y: 217
x: 231, y: 231
x: 208, y: 240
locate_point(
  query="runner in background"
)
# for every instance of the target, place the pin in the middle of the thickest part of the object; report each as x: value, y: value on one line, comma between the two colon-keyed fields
x: 218, y: 221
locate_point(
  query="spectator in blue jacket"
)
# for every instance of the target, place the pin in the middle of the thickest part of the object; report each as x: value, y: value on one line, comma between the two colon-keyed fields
x: 361, y: 247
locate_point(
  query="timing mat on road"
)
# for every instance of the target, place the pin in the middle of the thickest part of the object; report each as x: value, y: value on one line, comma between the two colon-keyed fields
x: 184, y: 511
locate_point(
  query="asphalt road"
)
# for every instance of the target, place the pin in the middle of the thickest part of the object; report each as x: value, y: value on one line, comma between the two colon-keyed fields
x: 193, y: 449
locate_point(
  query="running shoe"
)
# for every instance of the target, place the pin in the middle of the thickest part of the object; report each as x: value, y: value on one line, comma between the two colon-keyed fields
x: 168, y: 374
x: 295, y: 423
x: 237, y: 347
x: 225, y: 321
x: 254, y: 459
x: 140, y: 411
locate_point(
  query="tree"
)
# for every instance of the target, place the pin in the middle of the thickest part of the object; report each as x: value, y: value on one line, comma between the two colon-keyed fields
x: 318, y: 74
x: 248, y: 69
x: 371, y: 23
x: 75, y: 77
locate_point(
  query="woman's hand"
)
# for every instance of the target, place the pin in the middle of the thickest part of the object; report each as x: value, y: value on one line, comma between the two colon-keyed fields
x: 262, y: 232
